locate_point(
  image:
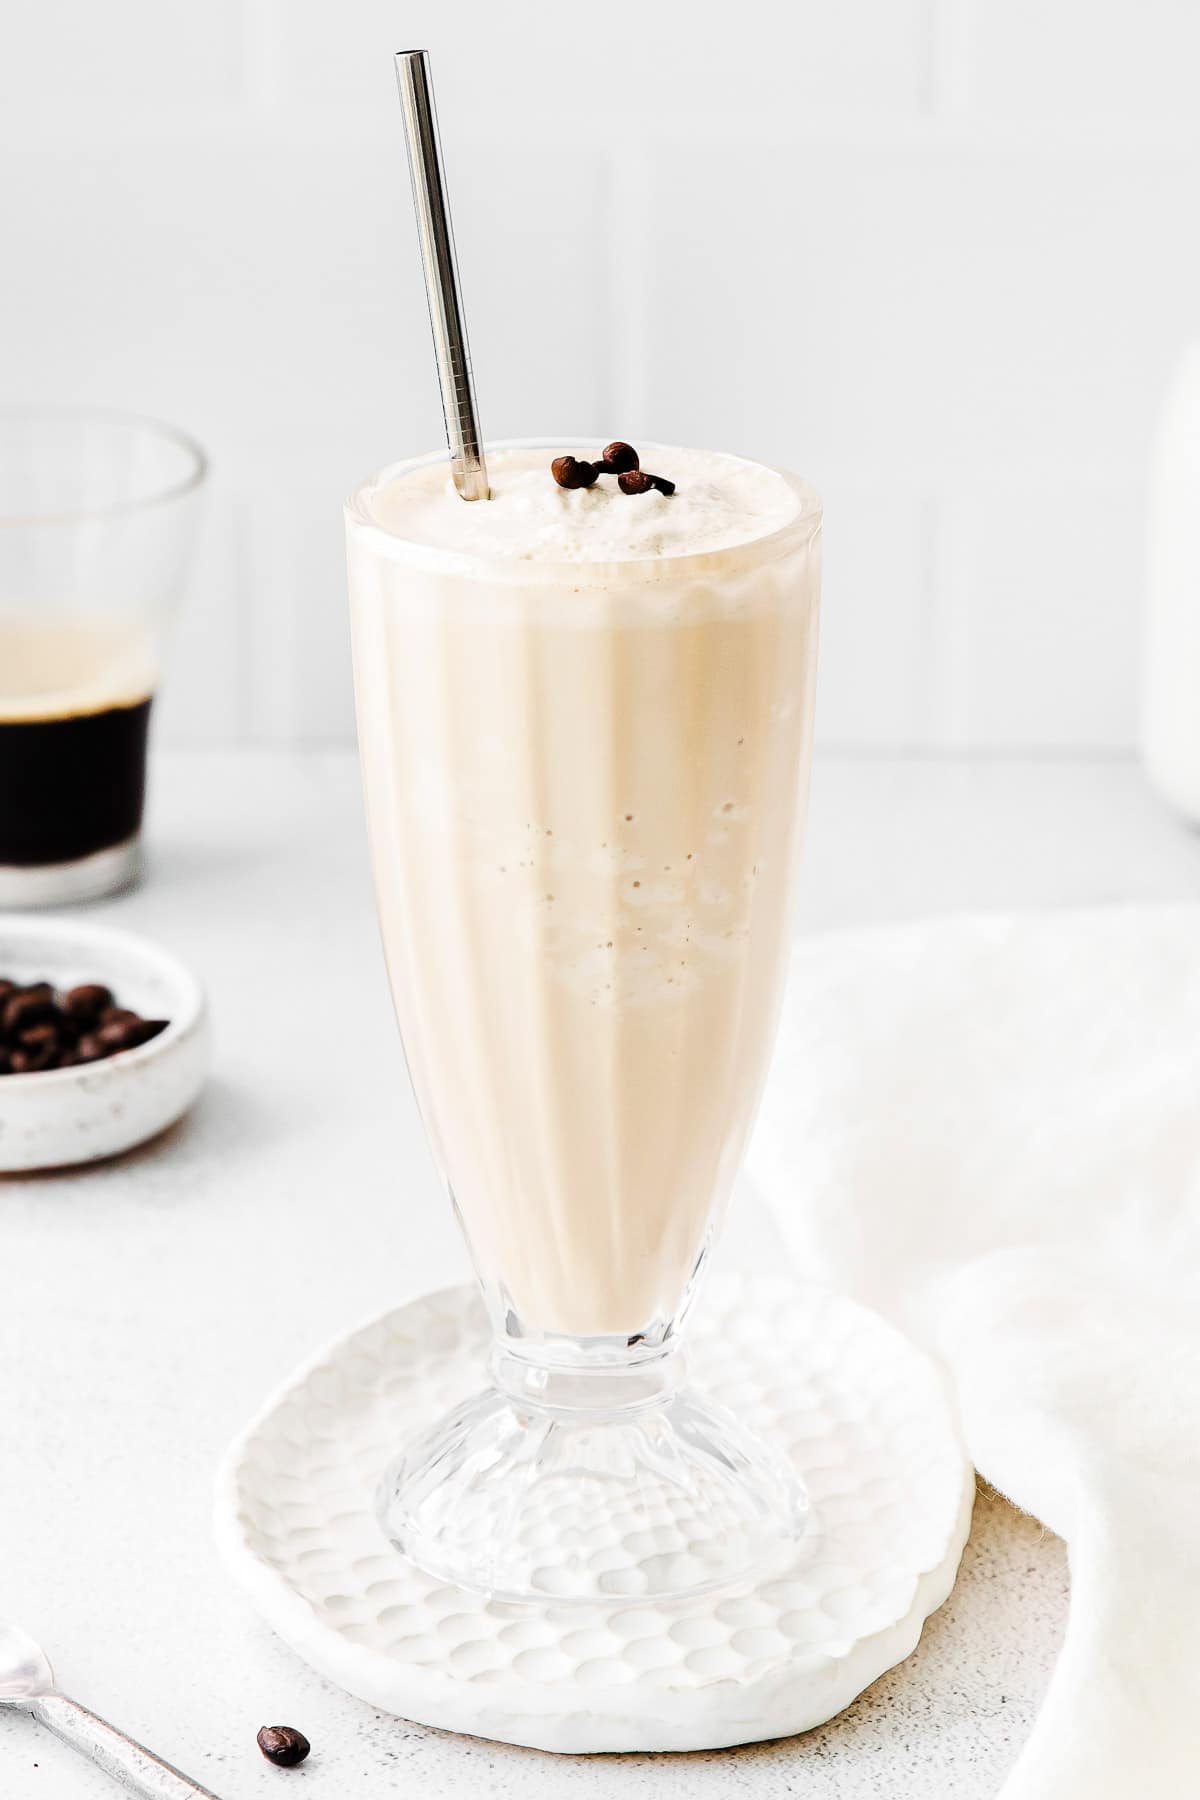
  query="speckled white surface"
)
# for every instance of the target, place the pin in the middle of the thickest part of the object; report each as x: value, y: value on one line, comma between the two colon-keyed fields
x: 863, y: 1415
x: 152, y: 1301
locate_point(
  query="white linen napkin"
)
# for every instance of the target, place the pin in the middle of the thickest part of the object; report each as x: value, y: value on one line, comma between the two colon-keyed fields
x: 990, y: 1130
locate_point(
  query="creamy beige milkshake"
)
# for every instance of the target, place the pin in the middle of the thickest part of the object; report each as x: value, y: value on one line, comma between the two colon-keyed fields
x: 585, y: 722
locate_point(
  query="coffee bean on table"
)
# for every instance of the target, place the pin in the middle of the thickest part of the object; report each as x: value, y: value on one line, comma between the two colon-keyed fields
x: 284, y: 1745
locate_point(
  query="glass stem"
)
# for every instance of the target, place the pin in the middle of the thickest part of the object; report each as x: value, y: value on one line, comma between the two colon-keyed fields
x: 615, y: 1383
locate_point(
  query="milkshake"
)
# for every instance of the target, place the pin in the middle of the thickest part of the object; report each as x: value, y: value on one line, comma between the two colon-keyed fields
x: 585, y: 722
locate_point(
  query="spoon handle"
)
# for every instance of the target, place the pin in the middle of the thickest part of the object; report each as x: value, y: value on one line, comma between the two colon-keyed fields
x: 128, y: 1762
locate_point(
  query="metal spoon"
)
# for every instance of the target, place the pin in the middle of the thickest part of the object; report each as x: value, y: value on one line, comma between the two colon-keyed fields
x: 27, y: 1685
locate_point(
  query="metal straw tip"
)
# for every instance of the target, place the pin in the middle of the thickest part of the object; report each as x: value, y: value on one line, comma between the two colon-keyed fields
x: 400, y: 53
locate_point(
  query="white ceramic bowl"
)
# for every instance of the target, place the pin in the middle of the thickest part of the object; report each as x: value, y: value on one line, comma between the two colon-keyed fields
x: 65, y: 1116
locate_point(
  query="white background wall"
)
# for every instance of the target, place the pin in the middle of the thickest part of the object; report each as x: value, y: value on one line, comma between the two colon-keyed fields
x: 939, y: 255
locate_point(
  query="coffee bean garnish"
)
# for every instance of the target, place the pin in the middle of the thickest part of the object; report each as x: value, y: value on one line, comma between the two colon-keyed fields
x: 283, y: 1745
x: 618, y: 459
x: 638, y: 481
x: 571, y: 472
x: 41, y: 1029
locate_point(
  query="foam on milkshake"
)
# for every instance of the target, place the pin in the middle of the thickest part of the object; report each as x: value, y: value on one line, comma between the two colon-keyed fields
x: 720, y: 502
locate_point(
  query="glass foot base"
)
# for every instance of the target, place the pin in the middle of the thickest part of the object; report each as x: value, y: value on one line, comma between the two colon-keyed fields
x: 65, y: 884
x: 657, y: 1502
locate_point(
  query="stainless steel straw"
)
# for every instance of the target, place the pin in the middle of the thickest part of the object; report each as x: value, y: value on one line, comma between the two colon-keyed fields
x: 441, y: 275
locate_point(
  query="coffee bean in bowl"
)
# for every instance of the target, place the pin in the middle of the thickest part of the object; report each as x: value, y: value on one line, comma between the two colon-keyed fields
x: 42, y: 1028
x: 73, y: 1096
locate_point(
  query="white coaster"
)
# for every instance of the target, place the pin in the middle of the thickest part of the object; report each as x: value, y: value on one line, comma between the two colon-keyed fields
x: 864, y: 1414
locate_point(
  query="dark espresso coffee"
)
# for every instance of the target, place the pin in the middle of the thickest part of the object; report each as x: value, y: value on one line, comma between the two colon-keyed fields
x: 71, y: 785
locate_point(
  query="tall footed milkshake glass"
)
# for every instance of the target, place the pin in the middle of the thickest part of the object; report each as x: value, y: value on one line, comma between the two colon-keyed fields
x: 585, y: 725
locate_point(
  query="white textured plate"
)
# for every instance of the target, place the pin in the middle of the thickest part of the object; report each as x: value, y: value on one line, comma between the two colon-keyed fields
x: 65, y: 1116
x: 864, y: 1414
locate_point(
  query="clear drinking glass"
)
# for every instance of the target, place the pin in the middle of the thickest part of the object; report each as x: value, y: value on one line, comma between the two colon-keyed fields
x: 585, y: 789
x: 97, y: 517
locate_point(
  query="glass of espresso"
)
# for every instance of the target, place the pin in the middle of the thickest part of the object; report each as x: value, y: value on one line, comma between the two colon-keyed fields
x: 97, y: 520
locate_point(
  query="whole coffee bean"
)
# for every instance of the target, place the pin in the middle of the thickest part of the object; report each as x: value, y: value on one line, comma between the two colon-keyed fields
x: 635, y: 481
x: 87, y: 1001
x: 117, y: 1034
x: 640, y: 481
x: 33, y: 1062
x: 618, y: 459
x: 36, y: 1035
x: 68, y: 1058
x: 89, y: 1048
x: 36, y: 990
x: 118, y: 1015
x: 571, y: 472
x: 28, y: 1007
x: 284, y: 1745
x: 142, y: 1030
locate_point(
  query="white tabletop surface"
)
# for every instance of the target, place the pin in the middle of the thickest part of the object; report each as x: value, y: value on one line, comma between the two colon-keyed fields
x: 148, y: 1306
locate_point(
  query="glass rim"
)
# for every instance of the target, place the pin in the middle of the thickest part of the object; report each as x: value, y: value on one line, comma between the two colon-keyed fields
x: 103, y: 415
x: 499, y: 570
